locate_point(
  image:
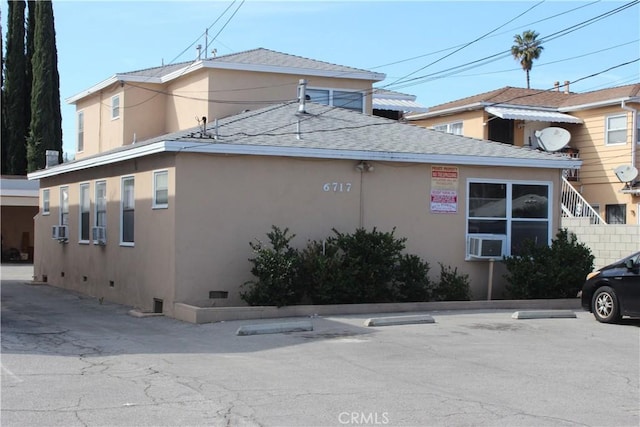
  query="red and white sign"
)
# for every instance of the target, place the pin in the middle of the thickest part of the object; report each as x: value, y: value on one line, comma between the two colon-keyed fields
x: 444, y: 189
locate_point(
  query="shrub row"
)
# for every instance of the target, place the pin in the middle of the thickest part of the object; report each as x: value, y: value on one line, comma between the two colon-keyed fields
x: 362, y: 267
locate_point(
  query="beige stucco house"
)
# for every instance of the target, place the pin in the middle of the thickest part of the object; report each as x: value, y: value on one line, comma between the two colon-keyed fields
x: 159, y: 206
x: 603, y: 127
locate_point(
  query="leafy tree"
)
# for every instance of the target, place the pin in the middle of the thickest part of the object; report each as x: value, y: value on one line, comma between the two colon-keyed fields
x: 15, y: 85
x: 4, y: 155
x: 527, y: 47
x: 46, y: 118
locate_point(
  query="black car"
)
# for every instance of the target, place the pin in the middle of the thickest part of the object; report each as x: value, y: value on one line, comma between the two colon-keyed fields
x: 613, y: 291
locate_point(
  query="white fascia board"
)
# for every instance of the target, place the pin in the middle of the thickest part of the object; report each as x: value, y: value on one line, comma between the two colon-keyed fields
x: 523, y: 107
x: 105, y: 159
x: 297, y: 71
x: 182, y: 71
x: 258, y: 150
x: 108, y: 82
x: 598, y: 104
x: 446, y: 111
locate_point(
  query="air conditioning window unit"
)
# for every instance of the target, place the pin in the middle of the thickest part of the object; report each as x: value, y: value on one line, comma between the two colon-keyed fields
x: 60, y: 233
x: 99, y: 235
x: 487, y: 246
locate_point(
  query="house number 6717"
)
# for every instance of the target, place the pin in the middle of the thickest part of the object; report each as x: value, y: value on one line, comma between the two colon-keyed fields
x: 337, y: 187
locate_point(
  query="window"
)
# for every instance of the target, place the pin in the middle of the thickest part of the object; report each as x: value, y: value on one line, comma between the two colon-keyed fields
x: 85, y: 212
x: 115, y: 107
x: 519, y: 211
x: 45, y: 202
x: 80, y: 131
x: 101, y: 204
x: 64, y: 205
x: 337, y: 98
x: 616, y: 129
x: 616, y: 214
x: 127, y: 211
x: 453, y: 128
x: 160, y: 189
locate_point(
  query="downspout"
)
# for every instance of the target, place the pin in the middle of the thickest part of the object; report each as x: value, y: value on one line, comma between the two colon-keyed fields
x: 634, y: 130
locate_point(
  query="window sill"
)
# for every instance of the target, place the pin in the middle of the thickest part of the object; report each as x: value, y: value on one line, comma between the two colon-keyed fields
x: 127, y: 244
x: 83, y: 242
x: 154, y: 207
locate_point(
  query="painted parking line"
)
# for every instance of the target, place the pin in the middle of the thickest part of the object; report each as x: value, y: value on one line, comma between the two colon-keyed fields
x: 544, y: 314
x: 399, y: 320
x: 275, y: 328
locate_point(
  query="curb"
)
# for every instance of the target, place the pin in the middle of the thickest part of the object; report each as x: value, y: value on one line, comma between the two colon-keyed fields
x: 399, y: 320
x: 544, y: 314
x: 275, y: 328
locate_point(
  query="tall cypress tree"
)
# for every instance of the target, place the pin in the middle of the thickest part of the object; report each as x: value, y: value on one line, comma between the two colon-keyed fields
x: 4, y: 164
x: 46, y: 118
x: 31, y: 26
x: 17, y: 103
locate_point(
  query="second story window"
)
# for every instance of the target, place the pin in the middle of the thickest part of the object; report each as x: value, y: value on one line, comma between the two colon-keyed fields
x: 115, y: 107
x: 80, y: 131
x: 616, y: 129
x: 453, y: 128
x: 338, y: 98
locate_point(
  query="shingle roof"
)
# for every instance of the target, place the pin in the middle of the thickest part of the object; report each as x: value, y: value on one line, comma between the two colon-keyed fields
x: 259, y: 56
x: 540, y: 98
x: 329, y: 133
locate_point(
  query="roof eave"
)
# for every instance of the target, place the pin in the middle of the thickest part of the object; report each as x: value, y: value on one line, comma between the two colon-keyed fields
x: 108, y: 82
x: 446, y: 111
x: 597, y: 104
x: 190, y: 147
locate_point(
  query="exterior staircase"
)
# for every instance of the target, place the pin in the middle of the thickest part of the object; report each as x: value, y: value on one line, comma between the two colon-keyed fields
x: 574, y: 205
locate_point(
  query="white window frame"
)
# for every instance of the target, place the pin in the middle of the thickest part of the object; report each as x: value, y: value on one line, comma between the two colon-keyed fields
x: 508, y: 210
x: 449, y: 127
x: 99, y: 185
x: 64, y: 206
x: 608, y: 129
x: 331, y: 92
x: 46, y: 202
x: 123, y: 181
x: 84, y: 186
x: 115, y: 107
x: 156, y: 174
x: 80, y: 132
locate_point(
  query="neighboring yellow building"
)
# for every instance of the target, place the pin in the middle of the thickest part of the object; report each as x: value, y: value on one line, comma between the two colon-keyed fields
x: 603, y: 125
x: 168, y: 218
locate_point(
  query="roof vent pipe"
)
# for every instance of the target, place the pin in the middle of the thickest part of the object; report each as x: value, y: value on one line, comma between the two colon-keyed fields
x: 556, y: 85
x: 566, y: 86
x: 302, y: 96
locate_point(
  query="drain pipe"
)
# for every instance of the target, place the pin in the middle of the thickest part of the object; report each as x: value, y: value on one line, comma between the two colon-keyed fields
x: 634, y: 128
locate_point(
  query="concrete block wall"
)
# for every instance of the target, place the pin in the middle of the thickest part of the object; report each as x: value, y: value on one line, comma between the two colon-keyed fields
x: 608, y: 243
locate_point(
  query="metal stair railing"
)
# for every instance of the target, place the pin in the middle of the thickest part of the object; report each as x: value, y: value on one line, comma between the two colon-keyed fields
x: 574, y: 205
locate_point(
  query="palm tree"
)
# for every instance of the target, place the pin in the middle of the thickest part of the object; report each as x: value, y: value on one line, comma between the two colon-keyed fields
x: 526, y: 49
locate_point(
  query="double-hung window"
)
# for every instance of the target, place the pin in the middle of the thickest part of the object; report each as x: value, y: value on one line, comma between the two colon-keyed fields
x: 115, y: 107
x: 616, y: 129
x: 519, y: 211
x: 160, y: 189
x: 45, y: 202
x: 127, y: 211
x: 64, y: 206
x: 351, y: 100
x: 85, y: 213
x: 80, y: 131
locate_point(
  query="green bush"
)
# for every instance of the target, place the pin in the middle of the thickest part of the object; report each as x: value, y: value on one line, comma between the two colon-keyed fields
x: 363, y: 267
x: 276, y: 268
x: 556, y: 271
x: 452, y: 286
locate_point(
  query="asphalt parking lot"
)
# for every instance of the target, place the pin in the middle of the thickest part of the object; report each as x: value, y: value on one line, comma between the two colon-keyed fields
x: 68, y: 360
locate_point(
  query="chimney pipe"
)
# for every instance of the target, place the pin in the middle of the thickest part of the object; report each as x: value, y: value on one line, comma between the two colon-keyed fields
x: 566, y: 86
x: 51, y: 158
x: 556, y: 85
x: 302, y: 93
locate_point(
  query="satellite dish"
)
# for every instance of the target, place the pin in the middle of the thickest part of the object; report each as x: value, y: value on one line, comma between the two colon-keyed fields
x: 553, y: 139
x: 626, y: 173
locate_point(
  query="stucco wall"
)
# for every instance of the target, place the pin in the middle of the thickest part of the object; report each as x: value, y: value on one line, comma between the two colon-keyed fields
x: 129, y: 275
x: 226, y: 202
x: 473, y: 123
x: 608, y: 243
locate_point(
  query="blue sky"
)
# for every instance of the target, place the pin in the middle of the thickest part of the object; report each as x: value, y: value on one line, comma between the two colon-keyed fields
x: 416, y: 40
